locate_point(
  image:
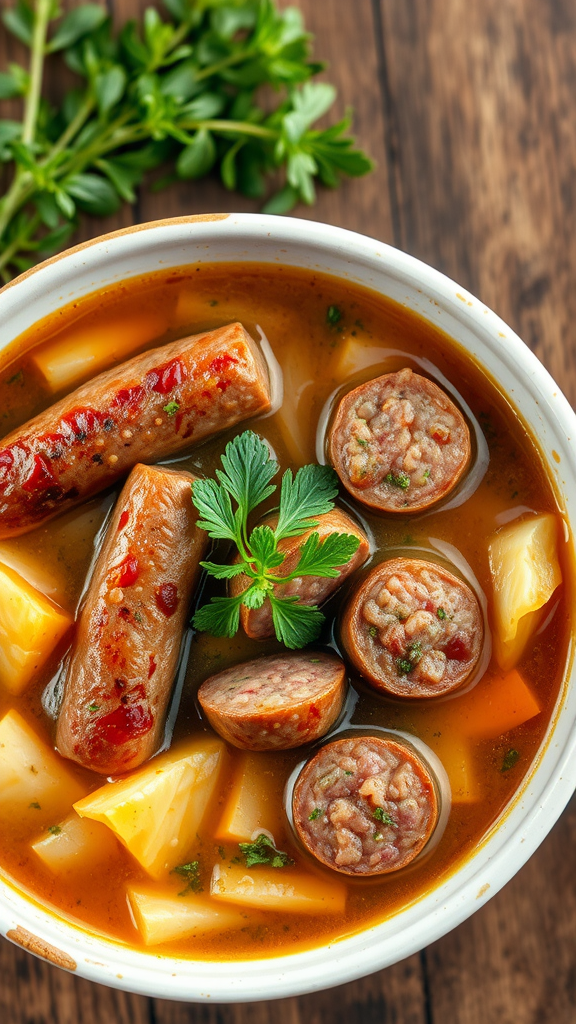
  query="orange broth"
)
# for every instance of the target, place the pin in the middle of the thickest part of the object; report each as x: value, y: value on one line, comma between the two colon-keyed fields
x: 290, y: 306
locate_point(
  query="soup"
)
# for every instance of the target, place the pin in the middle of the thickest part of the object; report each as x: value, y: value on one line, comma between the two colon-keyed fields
x: 248, y: 879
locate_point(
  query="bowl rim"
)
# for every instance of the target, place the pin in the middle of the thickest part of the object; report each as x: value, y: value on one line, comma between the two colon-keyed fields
x: 536, y: 805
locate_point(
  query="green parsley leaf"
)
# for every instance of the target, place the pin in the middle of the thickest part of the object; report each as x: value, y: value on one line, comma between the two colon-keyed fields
x: 511, y: 758
x: 171, y: 409
x: 93, y: 707
x: 191, y: 873
x: 215, y: 508
x: 54, y: 830
x: 400, y: 480
x: 381, y: 815
x: 295, y: 624
x: 263, y: 851
x: 315, y: 814
x: 309, y: 494
x: 441, y: 614
x: 403, y: 666
x: 248, y: 470
x: 324, y: 557
x: 221, y: 617
x: 224, y: 572
x: 333, y: 315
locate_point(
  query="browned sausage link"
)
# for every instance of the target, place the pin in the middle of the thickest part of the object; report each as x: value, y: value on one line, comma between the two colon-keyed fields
x: 125, y: 654
x: 398, y: 443
x: 413, y: 629
x: 311, y: 590
x: 365, y: 806
x: 276, y: 703
x: 144, y: 410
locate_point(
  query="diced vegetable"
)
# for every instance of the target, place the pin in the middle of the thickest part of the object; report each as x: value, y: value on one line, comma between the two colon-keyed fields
x: 168, y: 918
x: 75, y: 844
x: 292, y: 417
x: 157, y: 811
x: 30, y: 628
x: 495, y: 706
x: 34, y: 782
x: 525, y: 573
x: 355, y: 354
x: 255, y: 801
x: 277, y: 889
x: 457, y: 757
x: 80, y: 351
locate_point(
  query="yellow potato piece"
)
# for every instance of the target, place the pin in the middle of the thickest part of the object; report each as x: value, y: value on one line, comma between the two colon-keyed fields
x: 34, y: 781
x: 525, y: 573
x: 80, y: 352
x: 277, y: 889
x: 355, y: 354
x: 75, y: 844
x: 169, y: 918
x: 457, y: 757
x: 255, y: 801
x: 157, y: 810
x: 292, y: 419
x: 30, y: 628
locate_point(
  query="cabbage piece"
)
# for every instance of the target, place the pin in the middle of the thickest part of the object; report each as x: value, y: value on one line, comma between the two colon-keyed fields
x: 30, y: 628
x: 292, y: 892
x: 157, y: 810
x: 525, y: 573
x: 167, y: 918
x: 35, y: 783
x: 75, y: 844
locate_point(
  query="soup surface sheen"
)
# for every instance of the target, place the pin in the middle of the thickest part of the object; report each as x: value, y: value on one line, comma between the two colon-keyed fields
x: 322, y: 355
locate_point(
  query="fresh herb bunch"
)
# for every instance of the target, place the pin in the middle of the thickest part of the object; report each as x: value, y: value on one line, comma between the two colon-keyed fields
x: 245, y: 479
x: 181, y: 92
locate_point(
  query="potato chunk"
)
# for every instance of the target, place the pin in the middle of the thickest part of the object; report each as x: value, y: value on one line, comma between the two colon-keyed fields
x: 30, y: 628
x: 277, y: 889
x: 163, y: 918
x: 255, y: 801
x: 357, y: 353
x: 81, y: 351
x: 525, y: 573
x: 157, y: 810
x: 35, y: 782
x: 75, y: 844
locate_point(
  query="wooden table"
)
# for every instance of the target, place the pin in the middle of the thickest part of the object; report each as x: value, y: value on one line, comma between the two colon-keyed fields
x: 469, y: 108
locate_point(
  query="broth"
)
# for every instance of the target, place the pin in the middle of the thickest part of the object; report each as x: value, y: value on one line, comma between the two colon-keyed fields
x: 319, y: 361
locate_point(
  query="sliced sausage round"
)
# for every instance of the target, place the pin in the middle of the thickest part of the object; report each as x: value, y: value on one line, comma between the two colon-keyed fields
x: 276, y: 703
x: 123, y: 663
x: 365, y: 806
x: 413, y: 629
x: 152, y: 406
x: 310, y: 590
x: 398, y: 442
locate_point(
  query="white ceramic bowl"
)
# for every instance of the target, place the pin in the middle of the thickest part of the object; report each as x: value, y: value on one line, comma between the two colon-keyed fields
x: 552, y: 779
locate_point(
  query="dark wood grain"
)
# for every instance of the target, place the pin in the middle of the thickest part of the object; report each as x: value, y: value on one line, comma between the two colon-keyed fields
x: 469, y: 109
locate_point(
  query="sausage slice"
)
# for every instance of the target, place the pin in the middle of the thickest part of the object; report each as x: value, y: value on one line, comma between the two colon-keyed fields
x: 276, y: 703
x: 413, y: 629
x: 365, y: 806
x: 123, y: 662
x: 398, y: 443
x: 142, y: 411
x: 311, y: 590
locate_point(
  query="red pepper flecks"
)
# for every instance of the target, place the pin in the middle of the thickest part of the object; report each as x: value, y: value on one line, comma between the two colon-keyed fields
x: 167, y: 598
x: 125, y: 723
x: 221, y: 363
x: 124, y: 613
x: 152, y: 667
x: 82, y: 423
x: 223, y: 385
x: 41, y: 476
x: 165, y: 378
x: 129, y: 400
x: 457, y: 649
x: 127, y: 572
x: 124, y: 517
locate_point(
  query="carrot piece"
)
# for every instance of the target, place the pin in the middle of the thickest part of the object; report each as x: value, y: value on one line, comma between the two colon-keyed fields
x: 499, y: 703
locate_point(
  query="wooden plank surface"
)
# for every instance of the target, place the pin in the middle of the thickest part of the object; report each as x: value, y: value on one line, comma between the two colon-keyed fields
x: 469, y: 108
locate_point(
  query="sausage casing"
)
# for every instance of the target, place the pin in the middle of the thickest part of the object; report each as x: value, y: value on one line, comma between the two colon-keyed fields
x: 413, y: 629
x: 310, y: 590
x: 123, y: 662
x: 398, y: 442
x: 277, y: 702
x: 141, y: 411
x: 365, y: 806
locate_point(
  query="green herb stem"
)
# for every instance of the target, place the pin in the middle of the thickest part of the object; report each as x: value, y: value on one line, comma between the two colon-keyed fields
x: 42, y: 13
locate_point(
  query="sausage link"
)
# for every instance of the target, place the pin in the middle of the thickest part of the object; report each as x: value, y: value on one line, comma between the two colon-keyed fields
x: 365, y: 806
x: 398, y: 443
x: 413, y: 629
x: 311, y: 590
x: 122, y: 666
x: 142, y: 411
x: 276, y: 703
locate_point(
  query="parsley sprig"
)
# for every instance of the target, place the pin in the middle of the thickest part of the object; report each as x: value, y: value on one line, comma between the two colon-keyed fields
x: 263, y: 851
x: 181, y: 92
x: 245, y: 480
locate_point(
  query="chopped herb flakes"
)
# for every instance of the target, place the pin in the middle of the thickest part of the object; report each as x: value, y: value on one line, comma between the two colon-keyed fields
x: 399, y: 480
x: 441, y: 614
x: 348, y: 773
x: 511, y: 758
x: 222, y: 852
x: 138, y: 617
x: 373, y: 631
x: 54, y: 830
x: 171, y: 409
x: 190, y: 872
x: 315, y: 814
x: 333, y: 315
x: 18, y: 378
x: 378, y: 837
x: 362, y: 442
x: 403, y: 666
x: 93, y: 707
x: 263, y: 851
x: 415, y: 652
x: 381, y: 815
x: 35, y: 805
